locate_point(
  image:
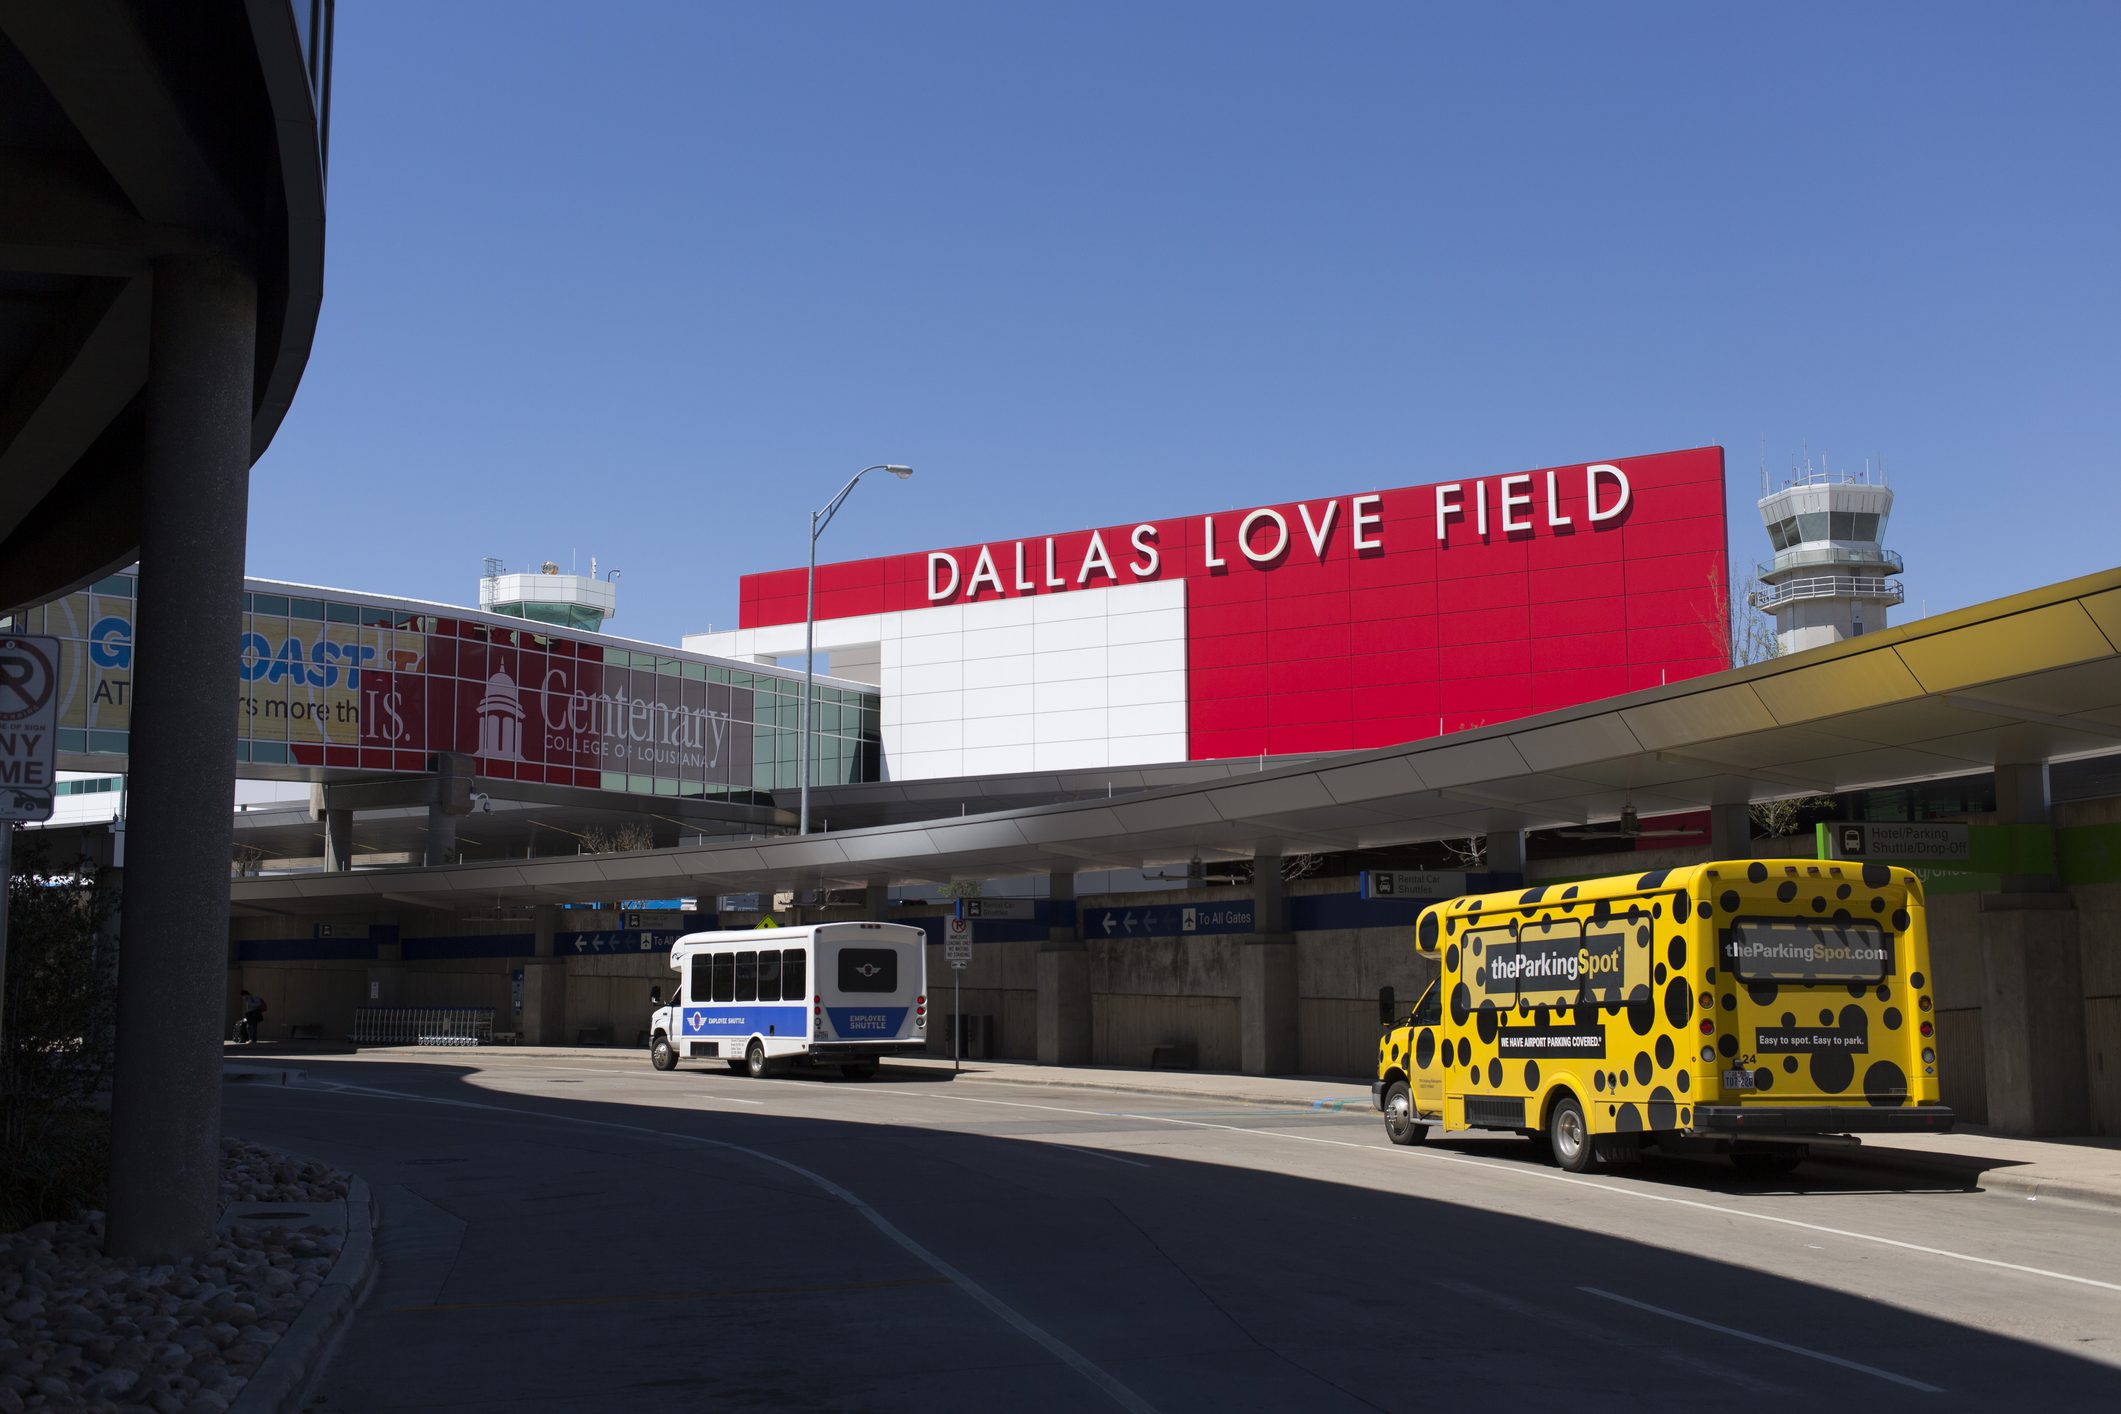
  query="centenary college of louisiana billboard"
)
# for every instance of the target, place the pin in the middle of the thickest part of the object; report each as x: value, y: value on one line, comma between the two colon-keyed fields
x: 1325, y: 624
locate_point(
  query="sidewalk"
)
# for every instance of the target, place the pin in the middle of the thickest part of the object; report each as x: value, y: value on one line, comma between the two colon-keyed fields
x: 2073, y: 1170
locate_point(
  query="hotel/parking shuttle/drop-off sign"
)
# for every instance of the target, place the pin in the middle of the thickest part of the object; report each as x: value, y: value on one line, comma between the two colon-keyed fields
x: 28, y: 712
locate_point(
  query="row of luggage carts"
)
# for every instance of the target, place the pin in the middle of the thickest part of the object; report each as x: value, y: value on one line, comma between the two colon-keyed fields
x: 423, y: 1026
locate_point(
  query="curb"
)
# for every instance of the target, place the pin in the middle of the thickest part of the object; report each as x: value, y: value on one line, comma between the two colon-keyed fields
x: 290, y: 1372
x: 1324, y: 1103
x: 1999, y: 1180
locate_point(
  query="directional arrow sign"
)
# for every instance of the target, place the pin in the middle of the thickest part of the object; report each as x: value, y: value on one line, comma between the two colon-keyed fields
x: 1110, y: 919
x: 1130, y: 922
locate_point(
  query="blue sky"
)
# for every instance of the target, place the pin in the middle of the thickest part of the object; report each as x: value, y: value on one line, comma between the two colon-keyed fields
x: 649, y: 281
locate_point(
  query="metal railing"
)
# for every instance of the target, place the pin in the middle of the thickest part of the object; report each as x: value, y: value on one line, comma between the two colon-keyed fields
x: 1888, y: 561
x: 423, y: 1026
x: 1829, y: 586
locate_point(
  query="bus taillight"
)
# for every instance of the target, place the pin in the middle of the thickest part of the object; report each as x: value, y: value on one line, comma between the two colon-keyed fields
x: 1708, y: 1027
x: 1924, y: 1003
x: 1928, y: 1029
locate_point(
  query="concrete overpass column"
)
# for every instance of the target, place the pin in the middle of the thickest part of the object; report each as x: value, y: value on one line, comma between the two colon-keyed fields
x: 545, y: 982
x: 441, y: 835
x: 1267, y: 1009
x: 876, y: 902
x: 1731, y: 831
x: 338, y: 840
x: 1506, y: 856
x: 165, y: 1166
x: 2032, y: 1005
x: 1064, y: 1032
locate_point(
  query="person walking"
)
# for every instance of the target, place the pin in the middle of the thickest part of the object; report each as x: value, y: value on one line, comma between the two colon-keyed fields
x: 247, y: 1026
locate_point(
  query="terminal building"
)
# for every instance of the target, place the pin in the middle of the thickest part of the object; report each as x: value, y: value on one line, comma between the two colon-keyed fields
x: 1198, y: 772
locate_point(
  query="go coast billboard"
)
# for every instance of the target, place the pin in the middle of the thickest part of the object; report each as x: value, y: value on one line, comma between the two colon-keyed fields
x: 334, y: 683
x: 1327, y: 623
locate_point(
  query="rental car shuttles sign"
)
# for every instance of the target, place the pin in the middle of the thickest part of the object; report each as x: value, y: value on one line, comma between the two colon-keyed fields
x: 28, y: 708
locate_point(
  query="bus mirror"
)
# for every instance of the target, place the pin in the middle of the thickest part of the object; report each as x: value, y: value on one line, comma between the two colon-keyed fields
x: 655, y: 996
x: 1385, y: 1005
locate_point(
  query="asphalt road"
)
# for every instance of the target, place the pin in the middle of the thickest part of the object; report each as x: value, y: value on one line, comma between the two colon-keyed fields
x: 591, y: 1234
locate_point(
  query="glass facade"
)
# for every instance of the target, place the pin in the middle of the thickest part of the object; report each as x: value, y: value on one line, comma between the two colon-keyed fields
x: 331, y: 685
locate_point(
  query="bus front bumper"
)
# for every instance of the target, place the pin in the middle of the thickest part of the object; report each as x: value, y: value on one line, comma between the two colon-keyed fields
x: 1778, y: 1120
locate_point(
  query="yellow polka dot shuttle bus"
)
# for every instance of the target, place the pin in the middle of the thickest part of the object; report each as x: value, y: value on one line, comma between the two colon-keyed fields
x: 1760, y: 1008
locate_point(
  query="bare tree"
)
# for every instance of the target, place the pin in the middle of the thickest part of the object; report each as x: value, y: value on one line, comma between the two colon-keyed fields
x: 1468, y: 854
x: 1748, y: 632
x: 618, y: 839
x: 1778, y: 818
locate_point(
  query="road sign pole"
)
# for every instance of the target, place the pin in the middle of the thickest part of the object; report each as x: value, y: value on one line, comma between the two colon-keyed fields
x: 957, y: 1018
x: 7, y: 893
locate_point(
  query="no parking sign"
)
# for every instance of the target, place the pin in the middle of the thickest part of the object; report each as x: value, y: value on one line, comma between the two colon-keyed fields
x: 28, y: 712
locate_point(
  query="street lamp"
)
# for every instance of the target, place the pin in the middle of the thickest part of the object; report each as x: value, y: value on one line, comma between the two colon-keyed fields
x: 819, y: 519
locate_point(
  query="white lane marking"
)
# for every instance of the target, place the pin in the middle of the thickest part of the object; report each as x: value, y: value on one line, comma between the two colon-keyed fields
x: 1117, y: 1392
x: 1785, y: 1346
x: 1591, y: 1333
x: 1549, y: 1176
x: 1096, y: 1154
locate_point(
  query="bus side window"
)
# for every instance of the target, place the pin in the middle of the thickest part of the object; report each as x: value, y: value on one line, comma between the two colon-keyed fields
x: 1429, y: 1010
x: 725, y: 977
x: 747, y: 976
x: 702, y: 979
x: 793, y: 986
x: 769, y: 976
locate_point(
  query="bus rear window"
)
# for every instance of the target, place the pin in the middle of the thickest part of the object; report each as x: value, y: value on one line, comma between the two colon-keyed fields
x: 1802, y: 950
x: 868, y: 969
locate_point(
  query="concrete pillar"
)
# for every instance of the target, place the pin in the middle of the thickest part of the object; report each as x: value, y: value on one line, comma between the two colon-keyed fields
x: 1731, y: 831
x: 386, y: 975
x: 1065, y: 1034
x: 338, y: 840
x: 165, y: 1166
x: 545, y: 982
x: 1266, y: 1005
x: 876, y: 902
x: 441, y: 836
x: 2032, y: 1016
x: 2022, y: 798
x: 1506, y: 856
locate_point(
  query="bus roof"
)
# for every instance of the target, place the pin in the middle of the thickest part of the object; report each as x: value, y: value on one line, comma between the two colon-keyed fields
x: 1630, y: 883
x: 778, y: 937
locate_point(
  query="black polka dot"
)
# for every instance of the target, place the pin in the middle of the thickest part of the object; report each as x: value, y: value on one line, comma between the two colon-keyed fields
x: 1686, y: 1113
x: 1465, y: 1051
x: 1682, y: 908
x: 1461, y: 1004
x: 1424, y: 1047
x: 1756, y: 872
x: 1710, y: 976
x: 1598, y: 1082
x: 1727, y: 1044
x: 1485, y: 1023
x: 1914, y: 979
x: 1899, y: 920
x: 1789, y: 1018
x: 1786, y: 890
x: 1664, y: 1053
x: 1642, y: 1012
x: 1833, y: 1071
x: 1628, y: 1120
x: 1885, y: 992
x: 1843, y: 892
x: 1658, y: 975
x: 1884, y: 1086
x: 1479, y: 943
x: 1450, y: 958
x: 1728, y: 900
x: 1531, y: 1075
x: 1762, y: 993
x: 1675, y: 953
x: 1428, y: 932
x: 1826, y: 1016
x: 1642, y: 1069
x: 1663, y: 1109
x: 1495, y: 1072
x: 1642, y: 936
x: 1877, y: 904
x: 1763, y: 1079
x: 1686, y: 1081
x: 1891, y: 1018
x: 1877, y: 876
x: 1819, y: 903
x: 1789, y: 1063
x: 1678, y: 1003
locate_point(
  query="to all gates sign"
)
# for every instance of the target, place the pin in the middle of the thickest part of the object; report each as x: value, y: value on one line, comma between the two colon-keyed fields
x: 28, y: 674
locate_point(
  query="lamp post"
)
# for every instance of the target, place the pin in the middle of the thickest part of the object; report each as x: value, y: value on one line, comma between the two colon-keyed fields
x: 819, y: 519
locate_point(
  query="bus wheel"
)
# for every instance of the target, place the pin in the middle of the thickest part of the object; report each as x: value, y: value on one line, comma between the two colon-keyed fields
x: 662, y: 1055
x: 755, y: 1063
x: 1758, y: 1163
x: 1569, y: 1136
x: 859, y: 1070
x: 1400, y: 1127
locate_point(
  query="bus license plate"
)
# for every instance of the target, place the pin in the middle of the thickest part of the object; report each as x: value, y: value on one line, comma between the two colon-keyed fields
x: 1738, y: 1080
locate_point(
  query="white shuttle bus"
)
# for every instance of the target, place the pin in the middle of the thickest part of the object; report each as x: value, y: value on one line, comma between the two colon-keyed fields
x: 844, y: 994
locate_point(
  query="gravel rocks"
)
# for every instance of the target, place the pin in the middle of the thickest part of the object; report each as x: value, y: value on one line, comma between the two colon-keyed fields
x: 84, y: 1332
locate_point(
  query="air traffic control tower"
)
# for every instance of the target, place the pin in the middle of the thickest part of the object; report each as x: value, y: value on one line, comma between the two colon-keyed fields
x: 1830, y: 578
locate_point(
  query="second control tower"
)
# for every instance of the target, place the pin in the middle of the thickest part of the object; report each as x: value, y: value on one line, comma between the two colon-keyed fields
x: 1830, y: 578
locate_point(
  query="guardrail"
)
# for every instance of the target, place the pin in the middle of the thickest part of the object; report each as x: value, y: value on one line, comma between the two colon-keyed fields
x: 1829, y: 586
x: 1887, y: 561
x: 423, y: 1026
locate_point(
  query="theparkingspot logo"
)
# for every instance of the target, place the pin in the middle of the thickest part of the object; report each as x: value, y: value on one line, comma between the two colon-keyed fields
x: 1554, y: 971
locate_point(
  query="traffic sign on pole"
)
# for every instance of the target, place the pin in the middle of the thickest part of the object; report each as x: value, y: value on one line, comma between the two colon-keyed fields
x: 29, y: 711
x: 957, y: 942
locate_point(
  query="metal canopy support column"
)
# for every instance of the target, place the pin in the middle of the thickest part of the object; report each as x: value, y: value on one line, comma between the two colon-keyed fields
x: 1064, y: 1032
x: 1506, y: 857
x: 338, y: 839
x: 165, y: 1171
x: 1731, y: 831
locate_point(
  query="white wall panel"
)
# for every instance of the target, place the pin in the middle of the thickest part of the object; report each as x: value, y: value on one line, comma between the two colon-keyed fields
x: 1069, y: 695
x: 1146, y: 750
x: 998, y: 672
x: 935, y: 648
x: 1135, y: 688
x: 1070, y: 755
x: 1147, y: 657
x: 1002, y: 642
x: 1148, y: 719
x: 997, y: 731
x: 1085, y: 725
x: 1013, y: 701
x: 999, y: 613
x: 1157, y: 626
x: 932, y: 707
x: 1075, y: 663
x: 1000, y: 760
x: 932, y: 677
x: 1067, y: 634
